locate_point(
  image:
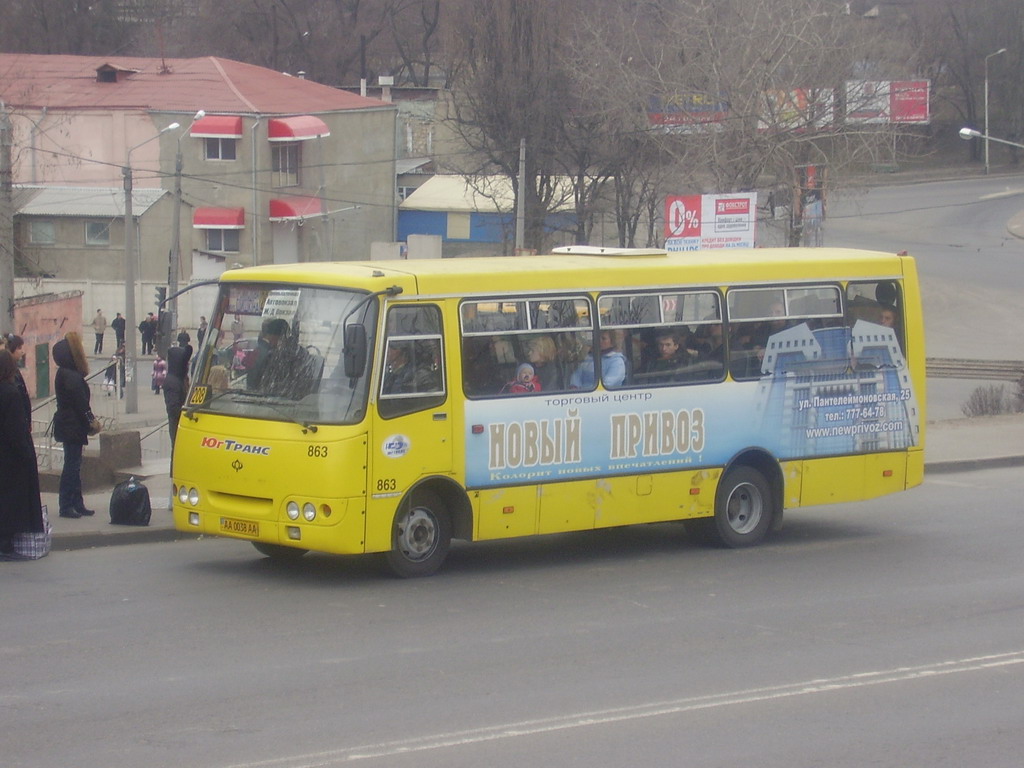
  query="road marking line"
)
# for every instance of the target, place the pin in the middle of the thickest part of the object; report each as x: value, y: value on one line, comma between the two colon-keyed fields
x: 638, y: 712
x: 1006, y: 193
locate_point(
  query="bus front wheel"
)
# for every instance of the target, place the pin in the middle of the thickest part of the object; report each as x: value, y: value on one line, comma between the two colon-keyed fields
x: 744, y: 509
x: 421, y: 536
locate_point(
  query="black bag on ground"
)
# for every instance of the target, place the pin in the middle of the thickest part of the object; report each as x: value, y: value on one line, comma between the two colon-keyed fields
x: 129, y: 503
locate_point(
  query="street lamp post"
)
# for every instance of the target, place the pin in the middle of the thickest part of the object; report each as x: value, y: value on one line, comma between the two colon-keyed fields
x: 969, y: 133
x: 131, y: 400
x: 1001, y: 50
x: 175, y: 261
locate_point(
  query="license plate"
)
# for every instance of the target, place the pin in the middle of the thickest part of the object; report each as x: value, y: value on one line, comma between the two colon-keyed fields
x: 239, y: 527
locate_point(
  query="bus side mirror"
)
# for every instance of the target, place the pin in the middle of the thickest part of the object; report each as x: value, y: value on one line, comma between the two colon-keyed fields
x: 355, y: 351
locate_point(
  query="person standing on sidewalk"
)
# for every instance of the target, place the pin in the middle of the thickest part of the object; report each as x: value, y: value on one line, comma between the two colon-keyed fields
x: 147, y: 329
x: 16, y: 346
x: 73, y: 421
x: 99, y: 327
x: 118, y: 325
x: 21, y: 508
x: 176, y: 382
x: 159, y: 373
x: 201, y: 330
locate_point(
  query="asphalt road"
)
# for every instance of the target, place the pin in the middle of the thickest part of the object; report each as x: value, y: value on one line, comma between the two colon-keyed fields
x: 971, y: 267
x: 886, y: 633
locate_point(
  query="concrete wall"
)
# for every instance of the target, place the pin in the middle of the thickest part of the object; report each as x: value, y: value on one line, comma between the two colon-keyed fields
x: 42, y: 321
x: 70, y: 258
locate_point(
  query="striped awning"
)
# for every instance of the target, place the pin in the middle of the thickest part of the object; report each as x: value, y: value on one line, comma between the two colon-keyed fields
x: 295, y: 208
x: 218, y: 218
x: 217, y: 127
x: 297, y: 128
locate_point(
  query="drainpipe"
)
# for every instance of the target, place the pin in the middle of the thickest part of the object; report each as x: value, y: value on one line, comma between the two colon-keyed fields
x: 257, y: 218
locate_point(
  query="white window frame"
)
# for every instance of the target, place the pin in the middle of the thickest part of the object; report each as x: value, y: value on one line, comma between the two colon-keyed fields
x: 37, y: 228
x: 283, y: 157
x: 214, y: 148
x: 223, y: 235
x: 97, y: 233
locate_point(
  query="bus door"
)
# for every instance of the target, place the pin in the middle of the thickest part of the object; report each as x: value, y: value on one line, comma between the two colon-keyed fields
x: 412, y: 425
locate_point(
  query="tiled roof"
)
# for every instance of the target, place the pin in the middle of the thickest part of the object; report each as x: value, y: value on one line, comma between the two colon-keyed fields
x: 166, y: 85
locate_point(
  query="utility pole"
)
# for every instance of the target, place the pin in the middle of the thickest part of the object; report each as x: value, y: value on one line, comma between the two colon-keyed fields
x: 6, y: 224
x: 174, y: 267
x: 131, y: 402
x: 132, y: 385
x: 521, y: 199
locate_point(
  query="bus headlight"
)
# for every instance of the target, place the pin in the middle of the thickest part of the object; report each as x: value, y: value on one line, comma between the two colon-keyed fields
x: 193, y: 497
x: 308, y: 512
x: 293, y: 510
x: 182, y: 494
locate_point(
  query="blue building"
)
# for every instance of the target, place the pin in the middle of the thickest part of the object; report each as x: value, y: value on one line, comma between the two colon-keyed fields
x: 473, y: 216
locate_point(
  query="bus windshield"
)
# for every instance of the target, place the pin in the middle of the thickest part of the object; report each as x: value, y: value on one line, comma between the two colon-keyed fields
x: 276, y: 352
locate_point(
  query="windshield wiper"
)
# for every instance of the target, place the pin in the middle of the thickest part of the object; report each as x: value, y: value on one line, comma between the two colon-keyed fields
x: 246, y: 396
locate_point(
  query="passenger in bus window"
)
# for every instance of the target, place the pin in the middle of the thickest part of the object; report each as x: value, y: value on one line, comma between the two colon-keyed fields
x: 541, y: 353
x: 219, y: 379
x: 613, y: 366
x: 709, y: 344
x: 525, y: 381
x: 670, y: 361
x: 770, y: 327
x: 273, y: 331
x: 887, y: 316
x: 403, y: 377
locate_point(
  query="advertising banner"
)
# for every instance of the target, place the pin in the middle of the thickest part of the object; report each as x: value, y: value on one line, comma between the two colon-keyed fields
x: 823, y: 392
x: 694, y: 222
x: 688, y: 112
x: 799, y: 110
x: 888, y: 101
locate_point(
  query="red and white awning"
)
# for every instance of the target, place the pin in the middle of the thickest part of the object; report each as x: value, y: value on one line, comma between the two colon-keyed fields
x: 297, y: 128
x: 218, y: 218
x: 295, y: 208
x: 217, y: 127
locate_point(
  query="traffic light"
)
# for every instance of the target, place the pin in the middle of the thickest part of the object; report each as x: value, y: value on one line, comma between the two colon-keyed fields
x: 161, y: 295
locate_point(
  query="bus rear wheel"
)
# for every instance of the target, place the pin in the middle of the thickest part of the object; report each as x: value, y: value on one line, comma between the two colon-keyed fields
x: 744, y: 509
x: 278, y: 552
x: 421, y: 536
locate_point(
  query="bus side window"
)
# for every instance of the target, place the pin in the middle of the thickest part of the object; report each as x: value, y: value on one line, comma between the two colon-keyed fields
x: 412, y: 370
x: 876, y: 302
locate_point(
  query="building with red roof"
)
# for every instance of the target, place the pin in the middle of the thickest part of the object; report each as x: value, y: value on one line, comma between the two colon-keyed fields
x: 271, y: 168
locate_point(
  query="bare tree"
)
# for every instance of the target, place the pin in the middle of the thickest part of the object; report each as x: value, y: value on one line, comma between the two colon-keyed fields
x: 754, y: 88
x: 510, y: 84
x: 415, y: 32
x: 64, y: 26
x: 956, y: 39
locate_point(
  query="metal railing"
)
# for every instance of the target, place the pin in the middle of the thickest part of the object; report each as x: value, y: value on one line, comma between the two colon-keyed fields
x: 106, y: 395
x: 959, y: 368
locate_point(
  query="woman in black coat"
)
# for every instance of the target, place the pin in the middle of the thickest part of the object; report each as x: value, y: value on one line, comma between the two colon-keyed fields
x: 20, y: 507
x: 16, y: 346
x: 72, y: 421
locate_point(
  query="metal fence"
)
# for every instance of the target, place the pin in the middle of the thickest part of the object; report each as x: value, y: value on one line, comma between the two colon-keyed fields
x: 106, y: 394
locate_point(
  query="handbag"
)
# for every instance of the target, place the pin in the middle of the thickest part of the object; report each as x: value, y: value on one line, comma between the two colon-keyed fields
x: 95, y: 425
x: 32, y: 545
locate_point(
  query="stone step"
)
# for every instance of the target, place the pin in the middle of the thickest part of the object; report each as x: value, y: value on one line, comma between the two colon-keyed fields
x: 144, y: 471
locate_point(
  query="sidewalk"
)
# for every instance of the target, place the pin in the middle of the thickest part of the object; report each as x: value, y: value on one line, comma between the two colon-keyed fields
x: 951, y: 446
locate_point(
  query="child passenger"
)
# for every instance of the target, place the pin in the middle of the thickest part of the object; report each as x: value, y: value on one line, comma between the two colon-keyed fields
x: 525, y: 381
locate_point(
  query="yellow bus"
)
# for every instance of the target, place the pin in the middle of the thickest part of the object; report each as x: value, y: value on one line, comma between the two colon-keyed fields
x: 390, y: 407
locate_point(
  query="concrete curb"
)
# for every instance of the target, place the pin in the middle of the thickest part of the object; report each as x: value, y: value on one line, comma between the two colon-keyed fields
x: 971, y: 465
x: 67, y: 541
